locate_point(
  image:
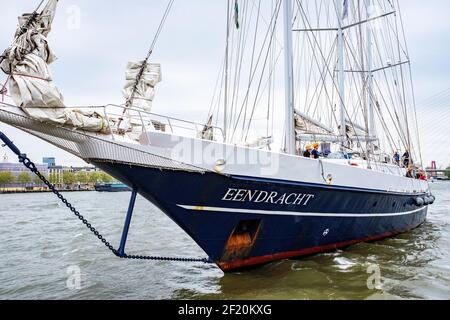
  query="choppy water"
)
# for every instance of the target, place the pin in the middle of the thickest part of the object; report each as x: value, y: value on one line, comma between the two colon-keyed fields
x: 41, y: 243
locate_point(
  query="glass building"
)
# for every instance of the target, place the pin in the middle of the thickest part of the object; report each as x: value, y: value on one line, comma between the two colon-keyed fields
x: 49, y: 161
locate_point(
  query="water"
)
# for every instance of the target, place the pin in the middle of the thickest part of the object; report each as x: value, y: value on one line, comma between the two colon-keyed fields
x: 41, y: 244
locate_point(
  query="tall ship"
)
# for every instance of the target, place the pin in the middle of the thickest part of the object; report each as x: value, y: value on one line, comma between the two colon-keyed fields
x: 310, y: 143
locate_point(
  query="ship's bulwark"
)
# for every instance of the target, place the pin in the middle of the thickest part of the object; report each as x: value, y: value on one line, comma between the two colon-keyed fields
x: 242, y: 222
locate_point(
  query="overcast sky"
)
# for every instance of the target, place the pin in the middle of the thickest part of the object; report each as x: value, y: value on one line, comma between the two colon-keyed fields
x: 93, y: 55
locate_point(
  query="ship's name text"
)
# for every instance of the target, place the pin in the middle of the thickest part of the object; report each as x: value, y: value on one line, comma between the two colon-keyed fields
x: 257, y: 196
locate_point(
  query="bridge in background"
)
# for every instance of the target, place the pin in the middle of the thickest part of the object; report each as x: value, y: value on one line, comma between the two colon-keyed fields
x: 438, y: 171
x: 434, y: 169
x: 438, y: 174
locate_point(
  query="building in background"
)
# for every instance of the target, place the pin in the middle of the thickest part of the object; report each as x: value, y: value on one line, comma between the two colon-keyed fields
x: 15, y: 177
x: 87, y: 169
x: 17, y: 168
x: 49, y: 161
x: 56, y: 174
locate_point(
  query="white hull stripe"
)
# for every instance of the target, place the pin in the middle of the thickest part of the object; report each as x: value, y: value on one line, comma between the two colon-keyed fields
x: 300, y: 214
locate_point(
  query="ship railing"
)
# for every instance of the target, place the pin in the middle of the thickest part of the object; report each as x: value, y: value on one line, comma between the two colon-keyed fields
x: 143, y: 121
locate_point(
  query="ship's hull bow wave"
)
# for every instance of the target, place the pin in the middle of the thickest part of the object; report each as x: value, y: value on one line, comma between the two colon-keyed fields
x: 242, y: 222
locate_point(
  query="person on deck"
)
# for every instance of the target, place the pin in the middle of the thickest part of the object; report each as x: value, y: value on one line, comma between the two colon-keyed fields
x: 423, y: 176
x: 410, y: 172
x: 397, y: 158
x: 406, y: 159
x: 307, y: 153
x: 315, y: 154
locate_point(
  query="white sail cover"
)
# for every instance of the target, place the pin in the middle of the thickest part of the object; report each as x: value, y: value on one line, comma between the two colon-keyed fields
x: 31, y: 85
x: 306, y: 124
x: 140, y: 94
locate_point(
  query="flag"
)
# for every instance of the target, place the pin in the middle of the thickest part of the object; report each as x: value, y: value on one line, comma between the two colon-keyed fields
x: 236, y: 14
x: 345, y: 10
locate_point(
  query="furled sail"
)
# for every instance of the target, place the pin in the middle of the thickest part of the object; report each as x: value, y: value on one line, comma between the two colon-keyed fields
x: 141, y: 80
x: 307, y: 124
x: 31, y: 86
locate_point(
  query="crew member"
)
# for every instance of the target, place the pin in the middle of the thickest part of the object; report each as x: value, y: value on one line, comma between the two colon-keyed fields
x: 410, y: 172
x: 315, y: 154
x: 307, y: 153
x: 406, y: 159
x: 397, y: 158
x: 423, y: 176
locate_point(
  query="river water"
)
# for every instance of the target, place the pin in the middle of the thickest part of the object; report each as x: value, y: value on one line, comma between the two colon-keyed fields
x: 47, y: 254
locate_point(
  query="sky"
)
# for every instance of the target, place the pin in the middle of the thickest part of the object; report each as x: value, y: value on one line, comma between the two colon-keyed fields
x: 95, y: 39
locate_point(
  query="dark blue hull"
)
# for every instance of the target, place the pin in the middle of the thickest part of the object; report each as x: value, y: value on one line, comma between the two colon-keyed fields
x: 241, y: 222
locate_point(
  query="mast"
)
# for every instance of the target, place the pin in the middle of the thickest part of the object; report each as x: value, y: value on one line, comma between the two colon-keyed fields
x: 341, y: 75
x: 225, y: 112
x: 370, y: 104
x: 290, y: 145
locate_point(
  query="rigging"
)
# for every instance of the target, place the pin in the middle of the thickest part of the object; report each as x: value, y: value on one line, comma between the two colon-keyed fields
x: 130, y: 100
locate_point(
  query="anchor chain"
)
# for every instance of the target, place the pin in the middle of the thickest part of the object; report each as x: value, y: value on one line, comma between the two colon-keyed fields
x: 32, y: 167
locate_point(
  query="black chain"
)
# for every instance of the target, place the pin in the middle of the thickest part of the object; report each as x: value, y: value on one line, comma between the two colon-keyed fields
x: 32, y: 167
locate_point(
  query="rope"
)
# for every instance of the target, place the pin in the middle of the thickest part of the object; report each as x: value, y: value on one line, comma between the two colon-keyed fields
x: 323, y: 171
x: 27, y: 25
x: 253, y: 73
x: 144, y: 64
x: 30, y: 76
x: 24, y: 28
x: 4, y: 90
x: 161, y: 25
